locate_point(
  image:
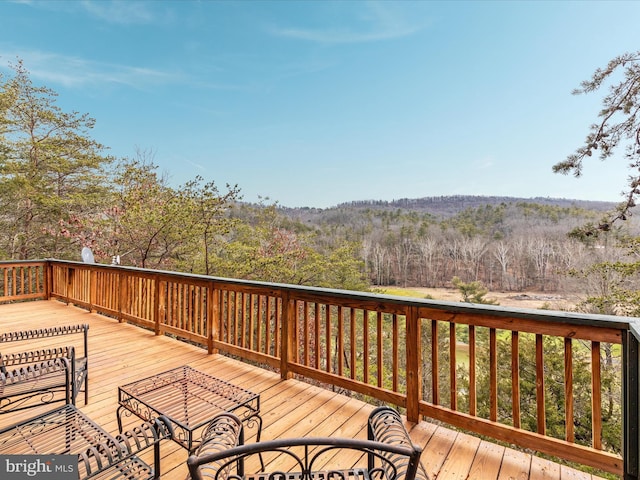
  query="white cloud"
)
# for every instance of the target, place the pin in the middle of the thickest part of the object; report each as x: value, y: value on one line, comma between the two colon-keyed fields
x: 124, y: 12
x: 72, y: 71
x: 336, y: 36
x: 377, y: 20
x: 120, y: 11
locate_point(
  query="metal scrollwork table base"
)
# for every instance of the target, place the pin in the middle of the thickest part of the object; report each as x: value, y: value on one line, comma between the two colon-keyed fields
x: 189, y: 399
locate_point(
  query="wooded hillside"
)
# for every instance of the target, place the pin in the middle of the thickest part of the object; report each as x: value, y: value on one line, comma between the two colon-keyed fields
x: 509, y: 244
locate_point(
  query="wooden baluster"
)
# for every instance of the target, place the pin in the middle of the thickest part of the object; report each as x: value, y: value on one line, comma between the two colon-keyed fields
x: 340, y: 341
x: 540, y: 395
x: 240, y: 319
x: 453, y: 388
x: 568, y: 391
x: 228, y: 309
x: 251, y: 333
x: 265, y: 318
x: 259, y: 319
x: 328, y: 332
x: 596, y: 396
x: 353, y: 342
x: 515, y: 378
x: 493, y: 375
x: 298, y: 331
x: 380, y: 349
x: 435, y: 367
x: 306, y: 340
x: 316, y: 340
x: 365, y: 339
x: 395, y: 342
x: 278, y: 307
x: 473, y: 397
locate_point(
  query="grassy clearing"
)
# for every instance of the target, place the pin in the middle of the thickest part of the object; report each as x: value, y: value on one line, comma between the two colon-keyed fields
x: 401, y: 292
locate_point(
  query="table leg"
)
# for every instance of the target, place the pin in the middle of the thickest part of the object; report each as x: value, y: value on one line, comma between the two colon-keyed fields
x: 258, y: 419
x: 156, y: 460
x: 119, y: 416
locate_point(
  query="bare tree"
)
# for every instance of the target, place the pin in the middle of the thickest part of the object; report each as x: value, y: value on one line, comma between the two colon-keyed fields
x: 404, y: 255
x: 541, y: 252
x: 502, y: 253
x: 473, y: 250
x: 427, y: 249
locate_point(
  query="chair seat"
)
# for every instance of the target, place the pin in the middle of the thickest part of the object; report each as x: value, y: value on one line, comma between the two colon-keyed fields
x: 133, y: 468
x: 351, y: 474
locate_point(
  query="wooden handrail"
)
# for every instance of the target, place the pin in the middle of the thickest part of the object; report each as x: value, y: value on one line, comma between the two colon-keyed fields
x: 453, y: 362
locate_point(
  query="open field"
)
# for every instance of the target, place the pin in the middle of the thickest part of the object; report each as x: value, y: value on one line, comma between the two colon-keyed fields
x: 533, y: 300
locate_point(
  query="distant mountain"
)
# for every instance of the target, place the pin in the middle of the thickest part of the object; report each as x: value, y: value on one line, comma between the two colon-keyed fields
x: 447, y: 206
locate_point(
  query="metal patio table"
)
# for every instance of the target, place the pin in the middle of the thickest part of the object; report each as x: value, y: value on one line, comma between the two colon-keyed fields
x: 68, y: 431
x: 65, y: 430
x: 189, y: 399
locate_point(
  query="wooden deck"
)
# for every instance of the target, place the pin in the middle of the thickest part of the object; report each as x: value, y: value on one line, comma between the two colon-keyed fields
x: 120, y: 353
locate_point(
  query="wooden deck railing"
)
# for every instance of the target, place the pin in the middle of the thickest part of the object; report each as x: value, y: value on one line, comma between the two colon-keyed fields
x: 23, y: 281
x: 517, y: 376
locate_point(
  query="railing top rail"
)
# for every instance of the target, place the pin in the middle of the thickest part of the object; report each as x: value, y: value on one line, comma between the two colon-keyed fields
x: 488, y: 311
x: 22, y: 262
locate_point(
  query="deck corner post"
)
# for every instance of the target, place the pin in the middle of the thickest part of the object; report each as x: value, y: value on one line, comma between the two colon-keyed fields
x: 631, y: 402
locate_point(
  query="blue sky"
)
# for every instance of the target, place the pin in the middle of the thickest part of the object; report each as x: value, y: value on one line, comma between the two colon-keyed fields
x: 314, y: 103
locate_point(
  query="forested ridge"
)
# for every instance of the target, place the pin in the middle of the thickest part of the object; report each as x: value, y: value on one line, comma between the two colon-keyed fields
x: 447, y: 205
x: 440, y: 207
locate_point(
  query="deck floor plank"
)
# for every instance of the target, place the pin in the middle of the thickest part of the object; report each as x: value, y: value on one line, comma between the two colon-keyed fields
x: 543, y: 469
x: 460, y: 458
x: 515, y: 466
x: 120, y: 353
x: 435, y: 453
x: 487, y: 461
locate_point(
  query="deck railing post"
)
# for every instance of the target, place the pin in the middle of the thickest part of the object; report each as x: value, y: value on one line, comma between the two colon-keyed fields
x: 156, y: 306
x: 287, y: 343
x: 93, y: 293
x: 122, y: 279
x: 414, y: 364
x: 47, y: 279
x: 213, y: 315
x: 631, y: 403
x: 67, y: 281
